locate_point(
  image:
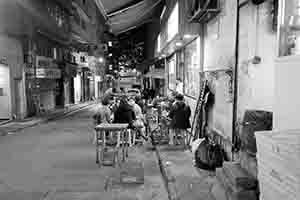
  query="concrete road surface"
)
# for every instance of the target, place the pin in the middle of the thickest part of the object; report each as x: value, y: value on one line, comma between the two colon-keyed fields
x: 56, y: 161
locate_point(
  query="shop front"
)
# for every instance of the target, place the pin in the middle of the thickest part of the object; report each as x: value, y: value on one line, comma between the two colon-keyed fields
x: 155, y: 79
x: 77, y: 80
x: 44, y: 82
x: 179, y: 44
x: 70, y: 72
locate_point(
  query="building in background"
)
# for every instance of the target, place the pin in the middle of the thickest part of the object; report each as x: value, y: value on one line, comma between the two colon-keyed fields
x: 37, y: 42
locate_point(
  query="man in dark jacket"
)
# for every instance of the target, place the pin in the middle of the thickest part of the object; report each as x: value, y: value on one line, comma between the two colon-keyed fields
x: 180, y: 114
x: 124, y: 113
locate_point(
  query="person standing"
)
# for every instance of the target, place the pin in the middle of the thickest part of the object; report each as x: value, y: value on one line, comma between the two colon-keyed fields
x: 179, y: 114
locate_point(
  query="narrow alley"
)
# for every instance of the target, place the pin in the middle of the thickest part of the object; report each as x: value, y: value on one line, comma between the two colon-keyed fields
x: 149, y: 99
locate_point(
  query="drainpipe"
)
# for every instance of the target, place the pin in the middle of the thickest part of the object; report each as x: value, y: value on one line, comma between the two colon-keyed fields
x: 235, y: 81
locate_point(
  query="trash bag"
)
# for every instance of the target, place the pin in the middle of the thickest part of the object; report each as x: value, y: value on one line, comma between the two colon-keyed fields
x: 209, y: 156
x: 254, y: 120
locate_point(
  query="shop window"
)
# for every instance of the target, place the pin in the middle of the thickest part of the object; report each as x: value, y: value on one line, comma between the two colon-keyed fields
x: 180, y: 66
x: 58, y: 14
x: 158, y: 43
x: 192, y: 68
x: 173, y: 23
x: 172, y: 73
x: 54, y: 53
x: 289, y: 28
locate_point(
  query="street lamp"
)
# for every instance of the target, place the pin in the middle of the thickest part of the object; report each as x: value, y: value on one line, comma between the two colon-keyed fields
x: 101, y: 60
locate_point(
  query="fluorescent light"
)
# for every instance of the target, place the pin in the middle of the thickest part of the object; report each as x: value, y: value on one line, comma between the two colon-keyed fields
x: 163, y: 12
x: 187, y: 36
x: 178, y: 44
x: 110, y: 43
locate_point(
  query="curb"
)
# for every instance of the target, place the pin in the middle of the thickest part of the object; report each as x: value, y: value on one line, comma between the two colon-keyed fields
x: 48, y: 119
x: 169, y: 180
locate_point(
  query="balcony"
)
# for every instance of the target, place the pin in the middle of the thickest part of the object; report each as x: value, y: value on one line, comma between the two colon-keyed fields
x: 43, y: 22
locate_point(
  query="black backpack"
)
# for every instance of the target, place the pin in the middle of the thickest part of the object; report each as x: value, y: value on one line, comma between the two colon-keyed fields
x: 209, y: 156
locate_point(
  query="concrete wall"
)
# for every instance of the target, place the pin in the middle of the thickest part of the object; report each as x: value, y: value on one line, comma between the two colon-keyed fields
x: 11, y: 52
x: 219, y: 49
x: 256, y: 81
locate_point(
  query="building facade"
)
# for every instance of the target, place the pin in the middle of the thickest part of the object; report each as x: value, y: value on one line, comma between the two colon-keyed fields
x: 197, y: 49
x: 38, y: 38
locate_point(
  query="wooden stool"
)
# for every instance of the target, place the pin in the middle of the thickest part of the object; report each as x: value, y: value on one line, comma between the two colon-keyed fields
x: 120, y: 130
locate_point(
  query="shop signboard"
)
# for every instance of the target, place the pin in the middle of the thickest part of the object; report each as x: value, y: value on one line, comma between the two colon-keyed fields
x: 47, y: 73
x: 44, y: 62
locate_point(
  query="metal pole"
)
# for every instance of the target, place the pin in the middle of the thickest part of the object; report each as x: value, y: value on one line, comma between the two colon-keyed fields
x: 235, y: 81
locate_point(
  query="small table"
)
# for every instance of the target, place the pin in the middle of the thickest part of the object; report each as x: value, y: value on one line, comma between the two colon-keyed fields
x: 114, y: 128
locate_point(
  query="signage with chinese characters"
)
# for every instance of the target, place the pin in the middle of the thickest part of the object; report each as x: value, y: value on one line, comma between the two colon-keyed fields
x: 44, y: 73
x: 44, y: 62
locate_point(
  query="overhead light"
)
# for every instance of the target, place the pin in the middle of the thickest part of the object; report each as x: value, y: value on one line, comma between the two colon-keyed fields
x: 110, y: 55
x: 178, y: 44
x: 101, y: 60
x: 110, y: 43
x: 187, y: 36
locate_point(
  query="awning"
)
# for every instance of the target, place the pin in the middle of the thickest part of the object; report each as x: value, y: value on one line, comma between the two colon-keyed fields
x: 157, y: 73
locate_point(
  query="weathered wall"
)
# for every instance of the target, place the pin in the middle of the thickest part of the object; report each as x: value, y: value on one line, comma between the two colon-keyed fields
x: 256, y: 81
x: 219, y: 51
x: 11, y: 52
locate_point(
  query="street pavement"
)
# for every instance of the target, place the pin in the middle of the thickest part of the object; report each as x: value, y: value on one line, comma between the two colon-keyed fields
x: 183, y: 180
x: 56, y: 161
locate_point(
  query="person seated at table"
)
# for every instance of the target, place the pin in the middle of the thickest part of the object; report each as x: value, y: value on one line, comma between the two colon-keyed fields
x: 124, y: 113
x: 103, y: 113
x: 179, y: 114
x: 141, y: 102
x: 140, y: 120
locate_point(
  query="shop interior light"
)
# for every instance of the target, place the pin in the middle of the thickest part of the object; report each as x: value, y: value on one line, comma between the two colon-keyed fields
x: 187, y: 36
x: 110, y: 43
x: 178, y: 44
x: 110, y: 55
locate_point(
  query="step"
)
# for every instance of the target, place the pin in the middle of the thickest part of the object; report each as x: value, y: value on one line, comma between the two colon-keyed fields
x: 234, y: 192
x: 238, y: 176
